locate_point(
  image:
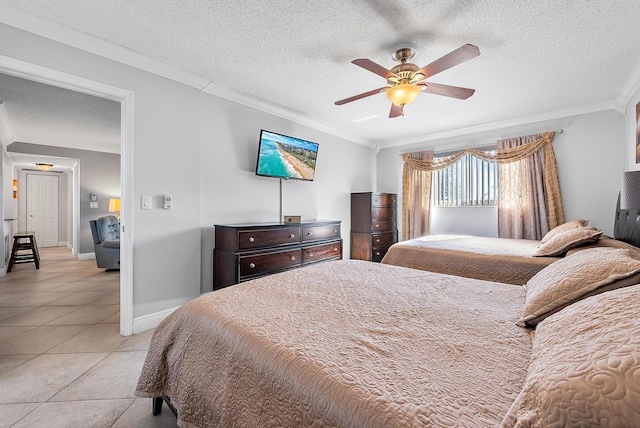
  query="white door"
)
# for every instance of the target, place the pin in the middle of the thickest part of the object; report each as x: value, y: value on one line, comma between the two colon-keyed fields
x: 42, y: 208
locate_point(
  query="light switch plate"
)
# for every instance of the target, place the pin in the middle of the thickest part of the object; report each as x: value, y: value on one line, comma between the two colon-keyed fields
x: 93, y: 205
x: 167, y: 202
x: 145, y: 202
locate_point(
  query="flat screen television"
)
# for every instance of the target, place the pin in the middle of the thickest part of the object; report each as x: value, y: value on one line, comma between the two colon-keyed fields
x: 285, y: 157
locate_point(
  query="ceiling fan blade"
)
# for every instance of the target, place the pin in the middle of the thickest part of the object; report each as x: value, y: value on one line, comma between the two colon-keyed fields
x: 357, y: 97
x: 367, y: 64
x: 458, y: 56
x: 446, y: 90
x: 396, y: 110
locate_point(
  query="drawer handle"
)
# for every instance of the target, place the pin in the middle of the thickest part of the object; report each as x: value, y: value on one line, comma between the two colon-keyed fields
x: 251, y: 239
x: 377, y: 253
x: 310, y: 254
x: 377, y: 212
x: 378, y: 240
x: 335, y: 248
x: 252, y: 265
x: 377, y: 225
x: 292, y: 236
x: 309, y: 233
x: 335, y: 230
x: 293, y: 257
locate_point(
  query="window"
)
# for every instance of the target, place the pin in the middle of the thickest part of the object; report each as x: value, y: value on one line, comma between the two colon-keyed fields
x: 470, y: 182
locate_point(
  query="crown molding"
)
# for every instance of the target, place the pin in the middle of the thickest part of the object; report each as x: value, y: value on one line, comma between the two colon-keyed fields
x: 67, y: 144
x: 492, y: 126
x: 259, y: 104
x: 26, y: 21
x: 630, y: 88
x: 6, y: 133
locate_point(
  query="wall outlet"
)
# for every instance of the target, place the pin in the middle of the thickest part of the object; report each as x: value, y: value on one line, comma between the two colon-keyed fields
x: 93, y: 205
x: 167, y: 202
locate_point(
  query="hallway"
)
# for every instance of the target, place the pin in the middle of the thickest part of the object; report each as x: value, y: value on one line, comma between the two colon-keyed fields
x: 63, y: 362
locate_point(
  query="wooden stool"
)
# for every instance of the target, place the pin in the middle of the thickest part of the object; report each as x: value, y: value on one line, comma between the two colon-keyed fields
x: 18, y: 245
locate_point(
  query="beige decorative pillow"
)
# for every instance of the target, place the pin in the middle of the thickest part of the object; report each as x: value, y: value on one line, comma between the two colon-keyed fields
x: 561, y: 228
x: 606, y: 241
x: 585, y: 365
x: 571, y: 278
x: 568, y: 239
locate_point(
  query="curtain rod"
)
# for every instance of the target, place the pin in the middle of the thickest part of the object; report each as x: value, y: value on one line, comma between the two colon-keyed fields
x: 479, y: 144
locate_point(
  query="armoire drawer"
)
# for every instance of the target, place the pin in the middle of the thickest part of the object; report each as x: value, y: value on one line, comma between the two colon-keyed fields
x: 386, y: 199
x: 383, y: 225
x: 261, y: 264
x: 377, y: 253
x: 386, y: 238
x: 382, y: 212
x: 320, y: 252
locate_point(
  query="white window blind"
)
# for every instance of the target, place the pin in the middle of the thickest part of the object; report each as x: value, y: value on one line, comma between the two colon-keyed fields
x: 470, y: 182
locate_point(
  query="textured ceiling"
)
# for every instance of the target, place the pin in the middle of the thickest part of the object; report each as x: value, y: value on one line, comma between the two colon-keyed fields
x: 537, y: 57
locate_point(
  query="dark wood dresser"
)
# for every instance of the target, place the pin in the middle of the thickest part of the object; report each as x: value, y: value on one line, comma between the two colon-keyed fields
x: 247, y: 251
x: 374, y: 226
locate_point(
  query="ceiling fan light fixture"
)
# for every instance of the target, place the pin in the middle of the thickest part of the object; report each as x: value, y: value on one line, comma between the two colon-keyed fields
x: 44, y: 166
x: 403, y: 94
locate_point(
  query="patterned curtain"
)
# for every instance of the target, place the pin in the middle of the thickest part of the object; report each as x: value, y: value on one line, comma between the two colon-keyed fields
x: 416, y: 196
x: 537, y: 206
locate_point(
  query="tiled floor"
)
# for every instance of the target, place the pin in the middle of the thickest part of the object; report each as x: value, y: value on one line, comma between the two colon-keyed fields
x: 63, y: 362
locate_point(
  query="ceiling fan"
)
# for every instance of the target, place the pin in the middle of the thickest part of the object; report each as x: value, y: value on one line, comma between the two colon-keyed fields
x: 406, y: 80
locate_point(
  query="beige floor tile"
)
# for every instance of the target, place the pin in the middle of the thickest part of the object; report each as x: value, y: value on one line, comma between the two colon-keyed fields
x: 37, y: 316
x: 94, y: 414
x: 78, y: 286
x: 113, y: 319
x: 39, y: 339
x: 115, y: 376
x: 12, y: 413
x: 10, y: 362
x: 97, y: 338
x: 39, y: 379
x: 32, y: 299
x: 109, y: 298
x: 78, y: 298
x: 9, y: 311
x: 139, y: 416
x: 7, y: 333
x: 91, y: 314
x: 137, y: 342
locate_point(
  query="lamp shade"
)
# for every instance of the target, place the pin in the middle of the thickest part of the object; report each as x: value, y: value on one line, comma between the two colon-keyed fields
x: 114, y: 205
x: 630, y: 191
x: 403, y: 94
x: 44, y: 166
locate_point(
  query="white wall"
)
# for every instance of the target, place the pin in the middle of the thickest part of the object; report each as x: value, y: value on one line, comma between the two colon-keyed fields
x: 200, y: 149
x: 591, y: 155
x: 166, y: 246
x: 232, y: 193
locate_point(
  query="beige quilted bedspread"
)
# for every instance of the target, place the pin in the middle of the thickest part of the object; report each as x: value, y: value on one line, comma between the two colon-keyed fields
x: 504, y: 260
x: 344, y: 344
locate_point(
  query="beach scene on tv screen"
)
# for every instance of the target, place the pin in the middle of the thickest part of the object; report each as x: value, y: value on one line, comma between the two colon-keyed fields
x: 286, y: 157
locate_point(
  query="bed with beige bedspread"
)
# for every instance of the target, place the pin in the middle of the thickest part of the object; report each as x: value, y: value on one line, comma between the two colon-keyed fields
x: 360, y: 344
x: 510, y: 261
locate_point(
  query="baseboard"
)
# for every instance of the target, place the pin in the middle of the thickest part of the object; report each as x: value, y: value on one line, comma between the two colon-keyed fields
x: 87, y: 256
x: 147, y: 322
x: 3, y: 272
x: 63, y: 244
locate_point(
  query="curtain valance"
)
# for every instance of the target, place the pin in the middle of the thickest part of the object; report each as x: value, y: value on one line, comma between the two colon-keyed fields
x: 513, y: 154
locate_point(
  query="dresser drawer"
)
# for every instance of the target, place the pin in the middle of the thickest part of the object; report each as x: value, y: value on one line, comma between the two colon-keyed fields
x: 260, y: 238
x: 382, y: 212
x: 386, y: 238
x: 383, y: 200
x: 377, y: 253
x: 383, y: 225
x: 272, y: 262
x: 313, y: 233
x: 316, y: 253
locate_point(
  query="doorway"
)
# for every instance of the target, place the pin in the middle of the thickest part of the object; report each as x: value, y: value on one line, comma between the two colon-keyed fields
x: 42, y: 208
x: 48, y: 76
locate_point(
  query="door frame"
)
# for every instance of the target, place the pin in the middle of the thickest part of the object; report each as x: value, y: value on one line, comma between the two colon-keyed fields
x: 125, y: 97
